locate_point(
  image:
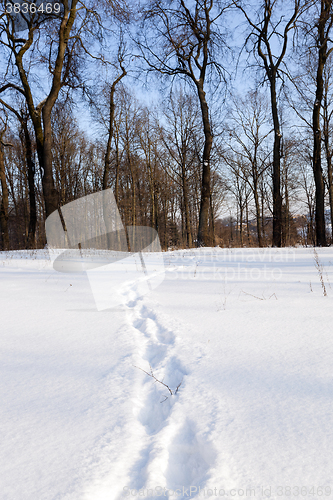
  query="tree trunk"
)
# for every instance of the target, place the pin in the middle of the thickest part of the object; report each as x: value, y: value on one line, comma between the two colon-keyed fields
x: 241, y: 208
x: 110, y: 136
x: 117, y: 158
x: 330, y: 190
x: 287, y: 212
x: 51, y: 195
x: 257, y: 204
x: 204, y: 238
x: 247, y: 221
x: 256, y: 200
x: 263, y: 232
x: 156, y: 201
x: 107, y: 164
x: 133, y: 193
x: 4, y: 200
x: 317, y: 168
x: 152, y: 184
x: 111, y: 129
x: 188, y: 229
x: 212, y: 222
x: 328, y: 153
x: 31, y: 239
x: 277, y: 198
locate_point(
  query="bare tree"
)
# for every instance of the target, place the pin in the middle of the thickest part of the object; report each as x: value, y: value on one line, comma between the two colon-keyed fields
x: 327, y: 112
x: 4, y: 189
x: 59, y: 63
x: 270, y: 32
x: 180, y: 39
x: 322, y: 29
x: 313, y: 102
x: 122, y: 73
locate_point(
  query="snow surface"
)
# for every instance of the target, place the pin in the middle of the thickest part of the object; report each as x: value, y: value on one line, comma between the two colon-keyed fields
x: 247, y: 332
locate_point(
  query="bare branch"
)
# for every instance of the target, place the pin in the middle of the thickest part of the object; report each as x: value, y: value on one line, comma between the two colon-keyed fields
x: 151, y: 374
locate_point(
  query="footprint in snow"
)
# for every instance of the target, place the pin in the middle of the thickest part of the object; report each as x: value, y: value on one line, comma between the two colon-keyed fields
x: 154, y: 414
x: 155, y: 354
x: 174, y: 373
x: 190, y: 458
x: 152, y: 327
x: 158, y: 402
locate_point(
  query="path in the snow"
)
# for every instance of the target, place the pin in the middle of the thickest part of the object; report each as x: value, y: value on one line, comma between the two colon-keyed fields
x: 175, y: 454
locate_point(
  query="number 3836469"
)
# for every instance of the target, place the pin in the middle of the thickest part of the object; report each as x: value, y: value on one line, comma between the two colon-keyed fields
x: 32, y: 8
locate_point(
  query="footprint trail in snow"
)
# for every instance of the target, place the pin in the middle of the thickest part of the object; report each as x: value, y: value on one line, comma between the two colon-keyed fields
x: 175, y: 452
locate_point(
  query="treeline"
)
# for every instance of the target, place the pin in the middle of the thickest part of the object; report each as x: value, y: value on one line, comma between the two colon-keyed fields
x: 208, y: 159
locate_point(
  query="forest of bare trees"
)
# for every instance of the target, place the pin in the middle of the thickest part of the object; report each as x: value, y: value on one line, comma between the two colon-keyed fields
x: 211, y: 120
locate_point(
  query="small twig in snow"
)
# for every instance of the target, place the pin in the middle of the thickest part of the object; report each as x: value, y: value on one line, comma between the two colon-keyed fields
x: 151, y: 374
x: 180, y: 383
x: 259, y: 298
x: 320, y: 269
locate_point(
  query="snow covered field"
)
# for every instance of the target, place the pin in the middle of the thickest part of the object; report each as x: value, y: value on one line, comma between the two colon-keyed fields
x: 248, y: 334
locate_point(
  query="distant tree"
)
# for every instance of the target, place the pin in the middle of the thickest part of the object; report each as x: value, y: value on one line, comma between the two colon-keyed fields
x: 69, y: 146
x: 181, y: 116
x: 149, y: 140
x: 238, y: 185
x: 289, y: 181
x: 306, y: 185
x: 25, y: 136
x: 248, y: 131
